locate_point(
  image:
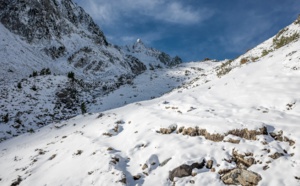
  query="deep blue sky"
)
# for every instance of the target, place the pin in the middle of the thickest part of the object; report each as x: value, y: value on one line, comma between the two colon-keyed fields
x: 192, y: 29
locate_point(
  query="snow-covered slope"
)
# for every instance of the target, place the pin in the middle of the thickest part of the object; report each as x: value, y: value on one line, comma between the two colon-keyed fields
x: 37, y: 101
x: 61, y: 37
x: 140, y: 143
x: 286, y: 36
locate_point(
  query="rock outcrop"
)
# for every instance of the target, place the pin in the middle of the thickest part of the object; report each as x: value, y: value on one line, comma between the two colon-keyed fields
x: 241, y: 177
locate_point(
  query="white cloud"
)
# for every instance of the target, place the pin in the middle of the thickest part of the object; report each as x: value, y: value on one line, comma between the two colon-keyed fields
x: 177, y: 13
x: 108, y: 11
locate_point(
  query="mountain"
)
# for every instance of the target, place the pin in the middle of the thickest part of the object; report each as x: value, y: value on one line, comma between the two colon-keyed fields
x: 236, y: 123
x: 60, y: 35
x: 55, y: 60
x: 151, y: 57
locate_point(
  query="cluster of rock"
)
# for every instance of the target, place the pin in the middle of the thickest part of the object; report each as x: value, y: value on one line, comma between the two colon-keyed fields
x: 196, y: 131
x: 240, y: 175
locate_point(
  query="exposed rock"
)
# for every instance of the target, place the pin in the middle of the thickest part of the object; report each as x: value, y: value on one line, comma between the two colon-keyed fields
x: 241, y: 177
x: 145, y: 166
x: 291, y: 142
x: 266, y: 167
x: 185, y: 170
x: 241, y: 160
x: 276, y: 155
x: 107, y: 134
x: 167, y: 60
x: 165, y: 162
x: 242, y: 133
x: 41, y: 19
x: 190, y: 131
x: 168, y: 130
x: 156, y: 59
x: 180, y: 130
x: 209, y: 164
x: 248, y: 134
x: 17, y: 181
x: 123, y: 180
x: 277, y: 136
x: 115, y: 160
x: 136, y: 66
x: 213, y: 137
x: 55, y: 52
x: 230, y: 140
x: 202, y: 132
x: 224, y: 171
x: 110, y: 149
x: 137, y: 177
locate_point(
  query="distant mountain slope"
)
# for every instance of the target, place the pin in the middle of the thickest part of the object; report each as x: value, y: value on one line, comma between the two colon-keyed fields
x: 151, y: 57
x: 45, y: 41
x: 60, y: 35
x: 244, y: 124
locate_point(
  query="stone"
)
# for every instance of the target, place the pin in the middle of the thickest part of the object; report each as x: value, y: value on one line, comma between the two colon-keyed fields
x: 277, y: 136
x: 241, y: 160
x: 276, y: 155
x: 185, y: 170
x: 145, y: 166
x: 137, y: 177
x: 165, y: 162
x: 209, y: 164
x: 241, y: 177
x: 230, y: 140
x: 168, y: 130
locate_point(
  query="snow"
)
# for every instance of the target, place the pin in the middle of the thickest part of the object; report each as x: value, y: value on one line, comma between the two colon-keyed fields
x: 42, y: 106
x: 120, y: 137
x: 250, y: 96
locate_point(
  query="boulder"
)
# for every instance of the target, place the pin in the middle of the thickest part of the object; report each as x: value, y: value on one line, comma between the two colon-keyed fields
x: 185, y: 170
x: 209, y: 164
x: 241, y: 177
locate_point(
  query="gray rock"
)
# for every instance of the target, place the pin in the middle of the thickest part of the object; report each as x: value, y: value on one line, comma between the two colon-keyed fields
x: 165, y: 162
x: 241, y: 177
x: 185, y: 170
x: 42, y: 16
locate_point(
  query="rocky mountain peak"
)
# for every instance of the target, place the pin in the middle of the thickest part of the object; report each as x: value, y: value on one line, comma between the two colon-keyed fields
x: 45, y: 20
x: 138, y: 46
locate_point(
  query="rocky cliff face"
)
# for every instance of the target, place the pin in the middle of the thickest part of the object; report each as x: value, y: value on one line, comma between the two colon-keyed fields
x: 48, y: 20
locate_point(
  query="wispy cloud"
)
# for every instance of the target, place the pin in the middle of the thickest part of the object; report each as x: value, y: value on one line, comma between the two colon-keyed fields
x: 109, y: 12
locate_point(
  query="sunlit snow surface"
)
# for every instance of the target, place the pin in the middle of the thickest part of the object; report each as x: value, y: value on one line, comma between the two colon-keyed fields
x: 76, y: 152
